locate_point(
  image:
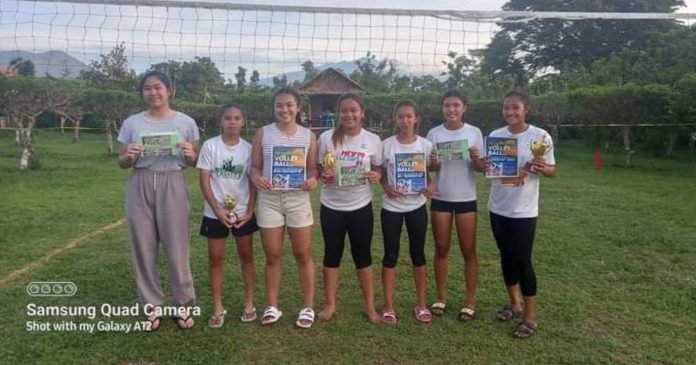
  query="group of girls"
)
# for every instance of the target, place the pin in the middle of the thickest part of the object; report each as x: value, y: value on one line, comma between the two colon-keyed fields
x: 157, y: 204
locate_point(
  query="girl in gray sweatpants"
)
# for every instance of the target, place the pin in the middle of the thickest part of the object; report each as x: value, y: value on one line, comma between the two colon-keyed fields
x: 158, y: 144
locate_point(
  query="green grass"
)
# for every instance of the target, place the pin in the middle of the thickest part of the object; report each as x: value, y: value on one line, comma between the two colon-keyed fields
x: 614, y: 254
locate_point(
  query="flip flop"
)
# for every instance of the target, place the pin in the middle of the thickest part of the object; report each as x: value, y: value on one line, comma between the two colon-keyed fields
x: 271, y: 315
x: 438, y: 308
x: 306, y: 314
x: 185, y: 320
x: 154, y: 324
x: 389, y: 318
x: 422, y: 314
x: 216, y: 321
x: 249, y: 316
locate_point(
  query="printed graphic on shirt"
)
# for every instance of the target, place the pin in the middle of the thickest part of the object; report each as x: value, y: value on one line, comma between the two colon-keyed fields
x: 289, y: 168
x: 229, y: 170
x: 410, y: 172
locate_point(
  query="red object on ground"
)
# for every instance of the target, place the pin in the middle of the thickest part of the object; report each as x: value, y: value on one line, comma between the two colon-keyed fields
x: 598, y: 159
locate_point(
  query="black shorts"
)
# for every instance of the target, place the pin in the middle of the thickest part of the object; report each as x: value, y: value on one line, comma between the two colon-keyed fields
x: 212, y: 228
x: 453, y: 207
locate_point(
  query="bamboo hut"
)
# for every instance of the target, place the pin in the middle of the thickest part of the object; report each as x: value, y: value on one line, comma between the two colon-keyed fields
x: 323, y: 90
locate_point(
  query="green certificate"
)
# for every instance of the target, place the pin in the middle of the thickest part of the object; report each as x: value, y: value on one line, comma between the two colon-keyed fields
x: 160, y: 144
x: 452, y: 150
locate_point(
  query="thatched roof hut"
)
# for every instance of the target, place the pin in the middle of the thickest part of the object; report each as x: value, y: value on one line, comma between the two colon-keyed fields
x: 323, y: 91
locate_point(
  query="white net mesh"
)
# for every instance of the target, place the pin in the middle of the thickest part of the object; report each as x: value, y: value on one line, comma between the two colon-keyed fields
x: 63, y: 36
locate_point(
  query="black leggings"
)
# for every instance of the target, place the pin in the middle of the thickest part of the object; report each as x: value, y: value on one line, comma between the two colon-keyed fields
x: 515, y: 238
x: 416, y: 226
x: 358, y: 224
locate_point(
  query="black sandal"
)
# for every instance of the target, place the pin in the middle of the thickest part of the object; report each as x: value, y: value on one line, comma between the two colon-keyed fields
x: 508, y: 313
x: 466, y: 315
x: 185, y: 321
x: 524, y: 330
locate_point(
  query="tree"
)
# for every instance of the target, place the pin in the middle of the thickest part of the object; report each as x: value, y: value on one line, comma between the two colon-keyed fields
x: 111, y: 106
x: 22, y: 67
x: 24, y: 99
x: 111, y: 70
x: 401, y: 83
x: 172, y: 69
x: 427, y: 83
x: 374, y: 75
x: 309, y: 70
x: 200, y: 79
x: 559, y: 44
x: 498, y: 59
x: 280, y: 82
x: 240, y: 76
x: 458, y: 68
x: 254, y: 80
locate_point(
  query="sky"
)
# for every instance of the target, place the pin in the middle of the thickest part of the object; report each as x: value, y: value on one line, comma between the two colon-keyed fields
x: 270, y: 42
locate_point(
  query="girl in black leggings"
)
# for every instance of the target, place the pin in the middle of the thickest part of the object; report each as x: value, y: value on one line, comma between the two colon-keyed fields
x: 350, y: 160
x: 514, y: 207
x: 407, y: 188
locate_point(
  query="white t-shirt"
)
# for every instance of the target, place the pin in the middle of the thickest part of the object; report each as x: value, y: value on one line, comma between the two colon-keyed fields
x: 390, y: 147
x: 520, y: 201
x: 229, y: 172
x: 363, y: 149
x: 456, y: 180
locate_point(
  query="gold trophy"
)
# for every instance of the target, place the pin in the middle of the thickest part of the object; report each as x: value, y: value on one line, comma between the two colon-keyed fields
x: 329, y: 161
x: 329, y: 164
x: 229, y: 203
x: 539, y: 147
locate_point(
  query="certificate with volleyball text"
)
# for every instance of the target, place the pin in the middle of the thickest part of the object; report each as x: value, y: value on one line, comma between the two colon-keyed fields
x: 502, y: 152
x: 289, y: 170
x: 410, y: 172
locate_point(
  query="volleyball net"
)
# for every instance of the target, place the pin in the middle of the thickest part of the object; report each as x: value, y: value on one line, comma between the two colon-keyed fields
x: 62, y: 37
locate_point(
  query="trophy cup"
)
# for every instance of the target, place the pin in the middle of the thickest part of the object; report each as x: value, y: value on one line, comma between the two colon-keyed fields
x: 329, y: 161
x: 539, y: 147
x: 330, y: 164
x: 229, y: 203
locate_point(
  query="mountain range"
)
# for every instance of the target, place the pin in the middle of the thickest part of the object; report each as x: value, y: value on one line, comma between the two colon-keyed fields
x: 55, y: 63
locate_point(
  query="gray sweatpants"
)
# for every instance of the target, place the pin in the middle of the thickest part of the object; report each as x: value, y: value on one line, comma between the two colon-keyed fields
x: 157, y: 210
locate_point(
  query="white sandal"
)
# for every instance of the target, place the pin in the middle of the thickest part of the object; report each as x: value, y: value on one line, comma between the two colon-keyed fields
x: 271, y: 315
x: 249, y: 316
x: 306, y: 314
x: 216, y: 321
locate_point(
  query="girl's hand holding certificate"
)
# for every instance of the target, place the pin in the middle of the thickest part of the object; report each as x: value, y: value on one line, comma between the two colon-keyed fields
x: 392, y: 192
x: 134, y: 150
x: 482, y: 164
x: 428, y: 191
x: 260, y: 182
x: 309, y: 184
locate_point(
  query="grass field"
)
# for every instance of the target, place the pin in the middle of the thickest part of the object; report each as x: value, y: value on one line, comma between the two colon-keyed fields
x: 615, y: 255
